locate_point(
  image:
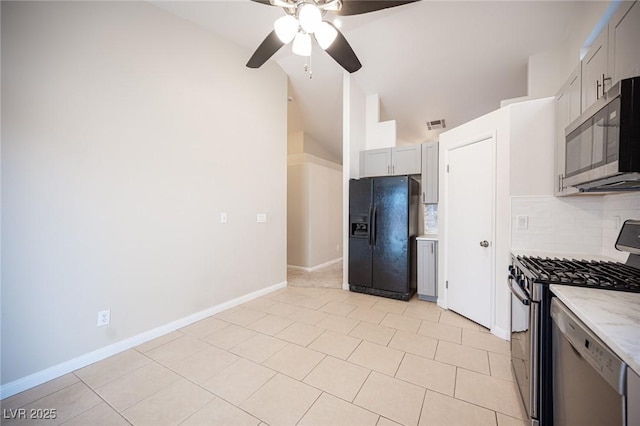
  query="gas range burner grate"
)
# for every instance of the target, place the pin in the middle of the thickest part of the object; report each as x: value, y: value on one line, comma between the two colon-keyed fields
x: 594, y: 274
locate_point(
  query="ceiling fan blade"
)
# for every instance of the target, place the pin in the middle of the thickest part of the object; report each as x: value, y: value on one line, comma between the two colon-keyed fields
x: 357, y: 7
x: 342, y: 53
x: 267, y: 48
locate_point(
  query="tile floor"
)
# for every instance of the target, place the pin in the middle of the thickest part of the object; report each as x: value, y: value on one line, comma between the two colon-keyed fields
x: 298, y: 356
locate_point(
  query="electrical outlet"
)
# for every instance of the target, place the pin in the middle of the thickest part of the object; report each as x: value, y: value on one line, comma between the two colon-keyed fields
x: 223, y: 218
x: 522, y: 222
x: 338, y: 247
x: 104, y: 317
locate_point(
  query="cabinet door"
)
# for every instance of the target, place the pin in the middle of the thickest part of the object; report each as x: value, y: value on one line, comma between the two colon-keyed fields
x: 429, y: 181
x: 405, y: 160
x: 375, y: 162
x: 624, y: 40
x: 427, y: 274
x: 574, y: 93
x: 567, y: 110
x: 594, y: 71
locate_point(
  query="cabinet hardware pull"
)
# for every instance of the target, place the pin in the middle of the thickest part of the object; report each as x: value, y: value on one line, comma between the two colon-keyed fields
x: 598, y: 89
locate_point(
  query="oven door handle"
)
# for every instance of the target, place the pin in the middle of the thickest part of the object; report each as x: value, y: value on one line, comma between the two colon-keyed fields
x: 517, y: 292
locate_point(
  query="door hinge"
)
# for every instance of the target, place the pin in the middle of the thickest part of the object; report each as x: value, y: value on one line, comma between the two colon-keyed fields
x: 447, y: 168
x: 446, y: 284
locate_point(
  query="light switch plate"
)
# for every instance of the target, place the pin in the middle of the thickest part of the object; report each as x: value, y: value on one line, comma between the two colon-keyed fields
x: 223, y: 218
x: 261, y: 217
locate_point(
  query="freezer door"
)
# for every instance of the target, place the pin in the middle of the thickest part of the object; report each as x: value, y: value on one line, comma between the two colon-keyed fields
x: 390, y: 234
x: 360, y: 207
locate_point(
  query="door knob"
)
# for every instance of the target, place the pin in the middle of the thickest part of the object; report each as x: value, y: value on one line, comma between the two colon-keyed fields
x: 484, y: 243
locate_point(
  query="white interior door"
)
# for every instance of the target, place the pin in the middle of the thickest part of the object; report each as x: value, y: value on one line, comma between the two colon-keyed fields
x: 469, y: 230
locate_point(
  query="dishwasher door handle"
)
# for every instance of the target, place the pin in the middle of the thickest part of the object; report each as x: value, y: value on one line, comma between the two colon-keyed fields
x: 518, y: 292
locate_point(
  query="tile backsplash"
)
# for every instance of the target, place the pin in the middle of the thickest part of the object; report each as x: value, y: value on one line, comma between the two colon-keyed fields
x: 430, y: 218
x: 581, y: 224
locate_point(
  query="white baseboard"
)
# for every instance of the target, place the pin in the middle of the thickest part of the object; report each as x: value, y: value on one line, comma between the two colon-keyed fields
x: 315, y: 268
x: 35, y: 379
x: 501, y: 332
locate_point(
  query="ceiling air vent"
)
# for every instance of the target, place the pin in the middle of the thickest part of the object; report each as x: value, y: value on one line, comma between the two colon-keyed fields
x: 436, y: 124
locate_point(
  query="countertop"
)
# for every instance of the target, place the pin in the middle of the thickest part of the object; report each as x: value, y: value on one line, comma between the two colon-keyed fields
x: 613, y: 316
x: 428, y: 237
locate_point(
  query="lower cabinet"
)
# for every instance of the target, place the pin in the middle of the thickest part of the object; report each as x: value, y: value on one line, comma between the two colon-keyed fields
x: 427, y: 270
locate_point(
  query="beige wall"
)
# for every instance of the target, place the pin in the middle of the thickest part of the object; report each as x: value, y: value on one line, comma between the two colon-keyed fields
x: 125, y: 134
x: 314, y: 232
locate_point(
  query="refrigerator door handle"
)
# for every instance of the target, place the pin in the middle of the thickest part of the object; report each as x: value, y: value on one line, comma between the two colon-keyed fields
x: 369, y: 224
x: 373, y: 227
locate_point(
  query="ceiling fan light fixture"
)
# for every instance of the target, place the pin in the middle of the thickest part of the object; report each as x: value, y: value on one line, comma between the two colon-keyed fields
x: 325, y: 34
x: 286, y: 28
x: 310, y: 17
x: 302, y: 44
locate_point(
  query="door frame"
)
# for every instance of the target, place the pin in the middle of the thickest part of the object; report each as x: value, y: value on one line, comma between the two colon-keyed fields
x: 480, y: 137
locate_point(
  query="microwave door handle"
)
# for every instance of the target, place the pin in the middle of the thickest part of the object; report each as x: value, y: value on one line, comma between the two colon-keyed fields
x: 523, y: 299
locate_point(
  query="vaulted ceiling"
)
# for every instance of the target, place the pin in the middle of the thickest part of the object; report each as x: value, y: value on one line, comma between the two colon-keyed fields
x: 427, y: 60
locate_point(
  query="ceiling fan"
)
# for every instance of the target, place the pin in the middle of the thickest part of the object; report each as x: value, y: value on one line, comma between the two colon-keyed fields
x: 303, y: 20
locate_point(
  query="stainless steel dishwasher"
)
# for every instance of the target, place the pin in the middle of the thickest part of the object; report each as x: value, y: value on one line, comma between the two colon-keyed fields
x: 589, y: 380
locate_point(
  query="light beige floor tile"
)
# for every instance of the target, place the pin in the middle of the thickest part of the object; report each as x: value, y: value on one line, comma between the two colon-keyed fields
x: 401, y: 322
x: 329, y: 410
x: 291, y: 296
x: 240, y: 316
x: 335, y: 344
x: 294, y: 361
x: 229, y: 337
x: 204, y: 327
x: 486, y: 341
x: 337, y: 323
x: 373, y: 333
x: 365, y: 314
x: 337, y: 295
x: 68, y: 403
x: 427, y: 373
x: 202, y: 366
x: 100, y: 415
x: 441, y: 331
x: 128, y: 390
x: 23, y: 398
x: 427, y: 311
x: 362, y: 300
x: 311, y: 302
x: 452, y: 318
x: 376, y: 357
x: 392, y: 398
x: 170, y: 406
x: 383, y: 421
x: 270, y: 324
x: 259, y: 304
x: 414, y: 343
x: 337, y: 308
x: 486, y: 391
x: 220, y: 412
x: 281, y: 309
x: 102, y: 372
x: 177, y: 350
x: 159, y: 341
x: 258, y: 348
x: 390, y: 306
x: 500, y: 366
x: 300, y: 334
x: 340, y: 378
x: 308, y: 316
x: 510, y: 421
x: 281, y: 401
x: 238, y: 381
x: 444, y: 410
x: 463, y: 356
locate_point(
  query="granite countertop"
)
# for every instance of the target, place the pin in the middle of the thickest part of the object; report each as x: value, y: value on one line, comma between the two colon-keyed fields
x: 428, y: 237
x: 613, y: 316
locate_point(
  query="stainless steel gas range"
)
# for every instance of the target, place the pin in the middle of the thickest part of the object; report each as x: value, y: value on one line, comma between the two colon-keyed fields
x: 531, y: 324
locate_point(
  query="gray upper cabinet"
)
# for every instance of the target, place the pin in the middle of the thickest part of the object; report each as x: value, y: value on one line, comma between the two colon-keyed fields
x: 624, y: 42
x: 595, y: 77
x: 567, y: 110
x: 401, y: 160
x: 429, y: 180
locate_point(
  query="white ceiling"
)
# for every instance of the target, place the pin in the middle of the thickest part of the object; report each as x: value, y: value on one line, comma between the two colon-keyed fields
x: 427, y: 60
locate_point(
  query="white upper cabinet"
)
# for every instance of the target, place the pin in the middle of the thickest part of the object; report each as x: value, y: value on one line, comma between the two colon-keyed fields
x: 401, y: 160
x: 594, y: 71
x: 624, y: 42
x: 567, y: 109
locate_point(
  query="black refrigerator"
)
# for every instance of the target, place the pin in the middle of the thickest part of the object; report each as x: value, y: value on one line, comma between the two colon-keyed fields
x: 383, y: 226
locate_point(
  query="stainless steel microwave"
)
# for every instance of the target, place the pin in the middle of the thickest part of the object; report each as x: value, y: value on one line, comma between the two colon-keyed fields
x: 602, y: 147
